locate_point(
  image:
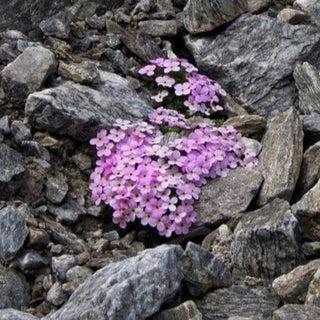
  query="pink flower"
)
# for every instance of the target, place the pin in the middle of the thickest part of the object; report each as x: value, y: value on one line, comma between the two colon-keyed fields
x: 160, y: 96
x: 171, y: 66
x: 148, y: 70
x: 182, y: 89
x: 165, y: 81
x: 100, y: 140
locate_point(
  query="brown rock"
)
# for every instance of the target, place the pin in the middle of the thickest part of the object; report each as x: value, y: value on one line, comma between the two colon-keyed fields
x: 313, y: 294
x: 247, y: 124
x: 293, y: 16
x: 258, y: 5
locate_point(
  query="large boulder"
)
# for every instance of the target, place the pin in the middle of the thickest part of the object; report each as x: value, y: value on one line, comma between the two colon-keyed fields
x: 297, y: 312
x: 239, y: 56
x: 79, y: 111
x: 267, y: 243
x: 131, y: 289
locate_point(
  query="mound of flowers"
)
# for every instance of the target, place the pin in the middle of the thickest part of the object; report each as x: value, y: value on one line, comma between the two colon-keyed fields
x: 141, y: 176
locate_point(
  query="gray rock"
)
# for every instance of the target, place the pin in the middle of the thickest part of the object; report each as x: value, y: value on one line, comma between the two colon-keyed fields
x: 96, y: 22
x: 293, y: 287
x: 311, y: 123
x: 202, y: 16
x: 69, y: 212
x: 60, y: 265
x: 186, y: 311
x: 281, y: 156
x: 19, y: 131
x: 35, y: 149
x: 218, y: 242
x: 307, y: 79
x: 293, y: 16
x: 313, y: 294
x: 78, y: 274
x: 297, y: 312
x: 312, y: 7
x: 238, y: 301
x: 258, y: 5
x: 27, y: 73
x: 4, y: 124
x: 56, y: 26
x: 14, y: 290
x: 131, y: 289
x: 238, y: 56
x: 119, y: 63
x: 311, y: 249
x: 11, y: 314
x: 267, y: 243
x: 24, y: 44
x: 11, y: 163
x: 252, y: 144
x: 56, y: 295
x: 31, y: 261
x: 113, y: 41
x: 56, y: 188
x: 203, y: 271
x: 309, y: 171
x: 223, y: 198
x: 85, y: 72
x: 159, y: 28
x: 79, y: 111
x: 307, y: 209
x: 8, y: 53
x: 247, y: 124
x: 13, y: 231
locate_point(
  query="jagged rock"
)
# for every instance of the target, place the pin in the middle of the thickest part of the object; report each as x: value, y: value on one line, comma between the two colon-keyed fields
x: 309, y: 171
x: 60, y: 265
x: 312, y: 7
x: 307, y: 79
x: 31, y: 261
x: 56, y: 295
x: 159, y: 28
x: 238, y: 56
x: 202, y: 16
x: 186, y: 311
x: 19, y: 131
x: 14, y: 290
x: 307, y: 209
x: 281, y: 156
x: 222, y: 198
x: 35, y: 149
x: 238, y: 301
x: 13, y: 230
x: 27, y: 73
x: 8, y: 53
x: 313, y: 294
x: 56, y: 188
x: 79, y: 111
x: 297, y: 312
x: 86, y: 72
x: 96, y: 22
x: 203, y: 271
x: 56, y: 26
x: 293, y: 287
x: 11, y: 163
x: 11, y: 314
x: 78, y: 274
x: 218, y: 242
x: 293, y: 16
x: 258, y: 5
x: 267, y: 243
x: 131, y: 289
x: 247, y: 124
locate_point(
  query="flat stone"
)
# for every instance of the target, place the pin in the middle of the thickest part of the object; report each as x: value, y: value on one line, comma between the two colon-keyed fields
x: 293, y: 16
x: 57, y: 188
x: 11, y: 163
x: 258, y: 5
x: 281, y: 156
x: 309, y: 171
x: 247, y: 124
x: 238, y: 67
x: 267, y: 243
x: 240, y: 301
x: 11, y: 314
x: 131, y: 289
x: 28, y: 72
x: 14, y: 290
x: 78, y: 111
x: 313, y: 294
x: 203, y: 16
x: 186, y: 311
x: 307, y: 79
x: 222, y: 198
x: 159, y: 28
x: 13, y: 231
x: 297, y: 312
x: 307, y: 209
x: 203, y: 271
x: 85, y: 72
x: 293, y: 287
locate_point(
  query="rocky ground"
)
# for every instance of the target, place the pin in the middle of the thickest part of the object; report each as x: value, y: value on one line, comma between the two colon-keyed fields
x: 70, y: 67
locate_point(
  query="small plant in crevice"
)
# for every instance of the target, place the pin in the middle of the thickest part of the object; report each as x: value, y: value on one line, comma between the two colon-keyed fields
x: 142, y: 178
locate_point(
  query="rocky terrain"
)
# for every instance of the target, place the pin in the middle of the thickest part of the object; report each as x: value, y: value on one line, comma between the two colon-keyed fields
x: 69, y: 68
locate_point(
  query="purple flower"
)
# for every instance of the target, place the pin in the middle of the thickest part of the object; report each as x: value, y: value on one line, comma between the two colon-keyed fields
x: 148, y: 70
x: 182, y: 89
x: 165, y: 81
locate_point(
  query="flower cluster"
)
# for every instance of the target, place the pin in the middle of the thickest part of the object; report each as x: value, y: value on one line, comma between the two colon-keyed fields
x: 142, y: 178
x: 199, y: 93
